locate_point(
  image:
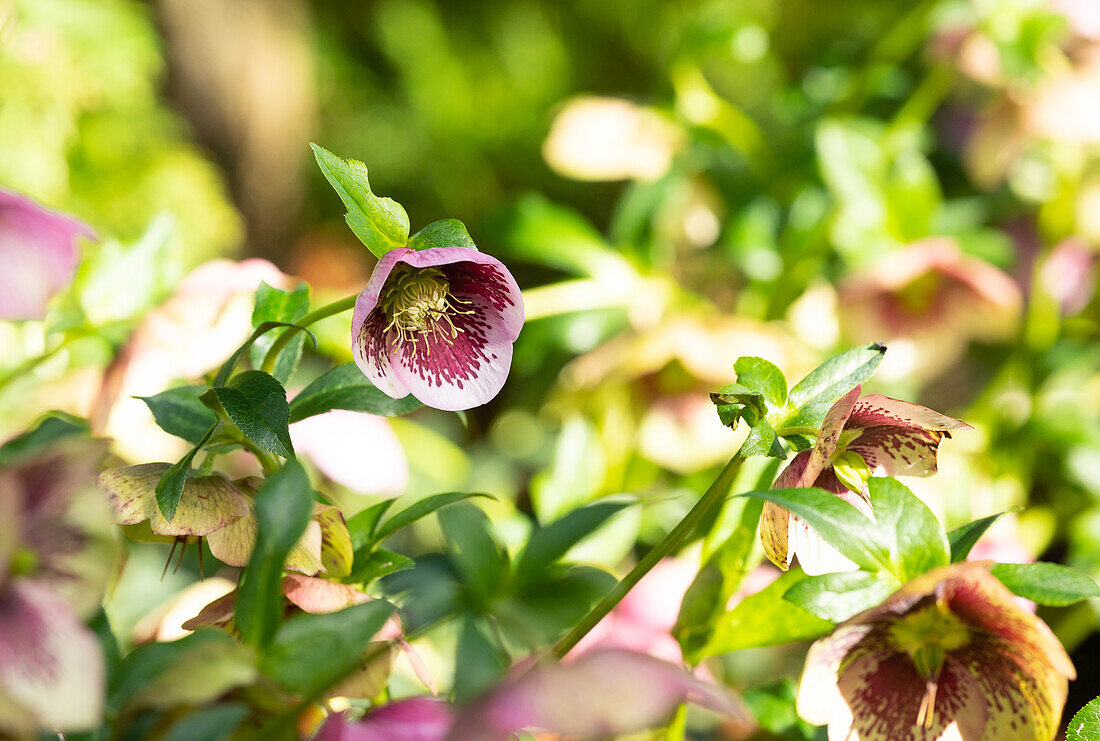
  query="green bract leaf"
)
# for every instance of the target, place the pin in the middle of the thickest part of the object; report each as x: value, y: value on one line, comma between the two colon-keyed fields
x: 442, y: 233
x: 915, y: 537
x: 170, y: 487
x: 766, y: 619
x: 760, y: 375
x: 479, y: 663
x: 841, y: 525
x: 471, y: 548
x: 284, y: 505
x: 550, y: 543
x: 371, y: 565
x: 275, y: 305
x: 310, y: 653
x: 1085, y: 725
x: 813, y: 395
x: 179, y: 412
x: 1046, y: 583
x: 256, y: 403
x: 380, y: 223
x: 420, y: 509
x: 215, y: 723
x: 964, y: 537
x: 362, y: 526
x: 838, y: 597
x: 50, y: 429
x: 345, y: 387
x: 227, y: 367
x: 744, y: 403
x: 762, y: 441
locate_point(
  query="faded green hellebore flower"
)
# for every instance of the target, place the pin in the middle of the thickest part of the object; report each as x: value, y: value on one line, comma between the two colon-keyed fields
x: 950, y: 655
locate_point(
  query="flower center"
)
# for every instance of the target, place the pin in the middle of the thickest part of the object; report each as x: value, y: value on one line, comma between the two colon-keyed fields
x: 24, y: 561
x: 927, y: 635
x: 418, y: 302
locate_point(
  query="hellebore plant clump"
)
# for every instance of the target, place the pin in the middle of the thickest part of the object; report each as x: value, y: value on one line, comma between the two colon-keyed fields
x: 912, y: 641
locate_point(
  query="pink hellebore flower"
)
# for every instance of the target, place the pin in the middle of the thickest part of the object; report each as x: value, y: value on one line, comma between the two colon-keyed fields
x: 38, y: 254
x: 860, y: 436
x: 948, y: 656
x: 52, y: 571
x: 602, y: 694
x: 354, y: 449
x: 439, y: 324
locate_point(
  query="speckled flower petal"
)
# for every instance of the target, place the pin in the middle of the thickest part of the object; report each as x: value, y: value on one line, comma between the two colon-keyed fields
x: 50, y: 664
x: 898, y: 451
x: 774, y: 520
x: 233, y: 545
x: 822, y: 452
x: 875, y: 410
x: 208, y: 502
x: 336, y: 551
x: 318, y: 596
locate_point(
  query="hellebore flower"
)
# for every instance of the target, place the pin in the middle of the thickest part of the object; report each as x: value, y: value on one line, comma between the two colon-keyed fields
x: 602, y: 694
x: 859, y: 437
x: 38, y: 252
x: 439, y: 324
x: 948, y: 656
x: 354, y: 449
x: 54, y: 563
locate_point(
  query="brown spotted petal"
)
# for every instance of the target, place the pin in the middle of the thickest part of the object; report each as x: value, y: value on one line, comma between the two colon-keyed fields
x: 1005, y: 681
x: 898, y: 451
x: 208, y: 502
x: 233, y: 545
x: 775, y: 521
x: 825, y: 446
x: 336, y: 549
x: 874, y: 410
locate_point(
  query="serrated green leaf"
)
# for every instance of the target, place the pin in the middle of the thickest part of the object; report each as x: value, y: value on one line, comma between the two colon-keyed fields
x: 284, y: 505
x: 766, y: 619
x: 1046, y: 583
x: 1085, y: 725
x: 837, y: 597
x: 762, y: 440
x: 753, y: 405
x: 811, y: 397
x: 442, y: 233
x: 964, y: 537
x: 915, y: 537
x: 311, y: 653
x: 380, y: 223
x: 548, y: 544
x: 179, y: 412
x: 170, y: 487
x: 276, y: 305
x: 256, y: 404
x: 764, y: 377
x: 420, y: 509
x: 345, y: 387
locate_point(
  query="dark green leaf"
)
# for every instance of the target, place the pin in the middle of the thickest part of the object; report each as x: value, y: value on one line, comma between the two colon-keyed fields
x: 1085, y: 725
x: 170, y: 487
x: 752, y: 403
x: 762, y: 441
x: 838, y: 597
x: 766, y: 619
x: 362, y: 526
x: 276, y: 305
x: 370, y: 565
x: 380, y: 223
x: 310, y: 653
x: 479, y: 663
x: 760, y: 375
x: 813, y: 395
x: 916, y: 538
x: 420, y: 509
x: 52, y: 428
x: 256, y: 403
x: 345, y: 387
x: 963, y: 538
x: 551, y: 605
x: 442, y: 233
x: 215, y: 723
x: 840, y: 524
x: 471, y: 548
x: 1046, y: 583
x: 284, y: 504
x: 548, y: 544
x: 179, y: 412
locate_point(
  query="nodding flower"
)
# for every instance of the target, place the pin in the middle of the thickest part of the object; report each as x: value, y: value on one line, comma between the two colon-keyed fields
x: 438, y: 324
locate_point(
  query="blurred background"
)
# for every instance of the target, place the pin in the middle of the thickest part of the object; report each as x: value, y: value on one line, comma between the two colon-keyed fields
x: 674, y: 185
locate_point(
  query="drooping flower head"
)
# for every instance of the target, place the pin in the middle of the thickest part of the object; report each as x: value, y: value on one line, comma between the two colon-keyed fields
x: 950, y: 655
x: 38, y: 252
x: 439, y: 324
x: 859, y: 437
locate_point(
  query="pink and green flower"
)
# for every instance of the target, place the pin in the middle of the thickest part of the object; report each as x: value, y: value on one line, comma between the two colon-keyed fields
x: 438, y: 324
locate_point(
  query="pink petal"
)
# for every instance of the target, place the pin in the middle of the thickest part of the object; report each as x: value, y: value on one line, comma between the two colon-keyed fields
x: 463, y: 373
x: 416, y: 719
x: 318, y: 596
x: 370, y: 351
x: 874, y: 410
x: 357, y: 450
x: 50, y: 664
x: 827, y: 438
x: 898, y: 451
x: 601, y: 694
x: 38, y: 252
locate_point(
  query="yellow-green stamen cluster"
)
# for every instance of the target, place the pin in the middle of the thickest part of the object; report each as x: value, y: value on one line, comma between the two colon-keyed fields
x: 418, y: 302
x: 927, y: 635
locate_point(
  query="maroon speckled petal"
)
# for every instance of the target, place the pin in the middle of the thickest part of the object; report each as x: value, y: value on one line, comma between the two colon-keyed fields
x: 898, y: 451
x: 874, y: 410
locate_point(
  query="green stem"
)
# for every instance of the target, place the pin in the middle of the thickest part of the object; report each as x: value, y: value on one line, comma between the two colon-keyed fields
x: 713, y: 496
x: 336, y: 307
